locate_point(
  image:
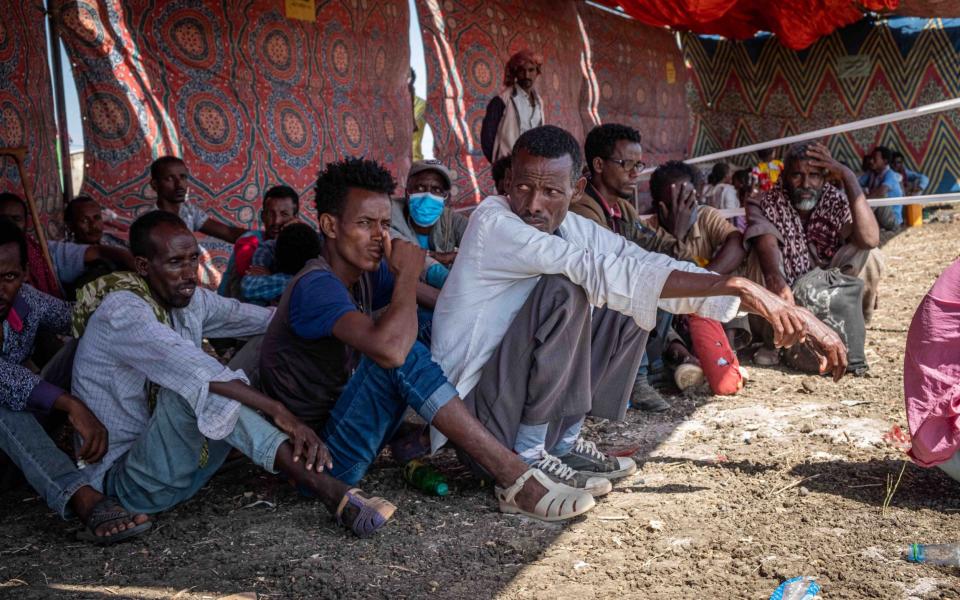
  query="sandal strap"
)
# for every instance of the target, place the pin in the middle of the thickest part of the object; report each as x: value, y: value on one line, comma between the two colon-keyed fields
x: 338, y: 515
x: 106, y: 511
x: 508, y: 494
x: 558, y: 503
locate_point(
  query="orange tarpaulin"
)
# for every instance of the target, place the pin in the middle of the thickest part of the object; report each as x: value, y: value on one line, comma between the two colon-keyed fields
x: 798, y: 23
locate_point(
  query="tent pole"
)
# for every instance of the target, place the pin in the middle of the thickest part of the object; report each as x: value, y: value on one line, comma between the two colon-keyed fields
x: 53, y: 17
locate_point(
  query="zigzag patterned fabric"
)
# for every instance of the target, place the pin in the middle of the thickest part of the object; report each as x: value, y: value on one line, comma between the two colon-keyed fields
x: 26, y: 108
x: 754, y: 91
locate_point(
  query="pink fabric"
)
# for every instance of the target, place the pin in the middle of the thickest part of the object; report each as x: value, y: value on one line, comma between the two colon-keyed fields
x: 931, y: 372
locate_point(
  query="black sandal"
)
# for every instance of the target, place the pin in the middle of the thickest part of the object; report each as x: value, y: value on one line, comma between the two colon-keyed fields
x: 107, y: 511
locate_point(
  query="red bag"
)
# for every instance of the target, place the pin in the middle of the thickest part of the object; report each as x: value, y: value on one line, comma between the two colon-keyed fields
x: 717, y: 359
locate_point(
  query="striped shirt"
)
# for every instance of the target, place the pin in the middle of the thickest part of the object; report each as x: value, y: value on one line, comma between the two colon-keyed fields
x: 124, y: 346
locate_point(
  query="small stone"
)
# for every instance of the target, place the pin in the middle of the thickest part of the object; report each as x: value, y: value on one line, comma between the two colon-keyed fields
x: 806, y: 428
x: 804, y: 491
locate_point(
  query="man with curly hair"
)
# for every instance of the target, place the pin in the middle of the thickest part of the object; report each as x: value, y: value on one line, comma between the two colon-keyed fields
x: 517, y: 109
x: 352, y: 377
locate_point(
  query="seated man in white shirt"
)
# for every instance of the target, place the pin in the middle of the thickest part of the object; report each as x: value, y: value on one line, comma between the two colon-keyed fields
x: 172, y: 411
x: 543, y: 317
x: 170, y: 179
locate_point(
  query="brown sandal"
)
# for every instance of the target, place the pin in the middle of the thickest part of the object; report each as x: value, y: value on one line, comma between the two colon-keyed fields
x: 373, y: 513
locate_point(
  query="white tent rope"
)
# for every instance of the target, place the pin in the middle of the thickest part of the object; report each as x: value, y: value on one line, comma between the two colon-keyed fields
x: 918, y: 111
x: 729, y: 213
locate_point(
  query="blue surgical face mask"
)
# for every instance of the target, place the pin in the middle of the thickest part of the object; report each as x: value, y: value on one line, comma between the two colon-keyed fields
x: 425, y: 208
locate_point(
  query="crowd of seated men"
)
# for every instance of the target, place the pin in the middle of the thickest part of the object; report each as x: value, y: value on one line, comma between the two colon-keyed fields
x: 554, y: 300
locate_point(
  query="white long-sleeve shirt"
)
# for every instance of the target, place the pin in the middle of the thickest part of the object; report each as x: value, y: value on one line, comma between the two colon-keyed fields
x: 500, y: 261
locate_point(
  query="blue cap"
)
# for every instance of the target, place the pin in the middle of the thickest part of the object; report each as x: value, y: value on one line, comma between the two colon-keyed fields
x: 442, y: 489
x: 915, y: 553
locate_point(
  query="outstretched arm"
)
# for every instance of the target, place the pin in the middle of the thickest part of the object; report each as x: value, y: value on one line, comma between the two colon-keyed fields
x: 791, y: 324
x: 227, y: 233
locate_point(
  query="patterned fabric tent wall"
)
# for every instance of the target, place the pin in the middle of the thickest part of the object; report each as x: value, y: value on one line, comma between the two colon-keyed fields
x: 636, y: 76
x: 597, y: 67
x: 26, y: 109
x: 248, y: 97
x: 747, y: 92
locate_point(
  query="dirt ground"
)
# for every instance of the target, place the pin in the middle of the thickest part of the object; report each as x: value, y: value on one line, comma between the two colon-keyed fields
x: 733, y: 496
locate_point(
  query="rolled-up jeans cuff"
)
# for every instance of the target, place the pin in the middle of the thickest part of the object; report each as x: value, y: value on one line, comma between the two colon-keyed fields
x: 266, y: 457
x: 437, y: 400
x: 62, y: 503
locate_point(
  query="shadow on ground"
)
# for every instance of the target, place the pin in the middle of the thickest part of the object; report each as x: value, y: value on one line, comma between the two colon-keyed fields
x: 218, y: 543
x: 868, y: 482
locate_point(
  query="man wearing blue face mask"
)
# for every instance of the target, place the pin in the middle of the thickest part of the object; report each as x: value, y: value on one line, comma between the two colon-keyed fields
x: 423, y: 217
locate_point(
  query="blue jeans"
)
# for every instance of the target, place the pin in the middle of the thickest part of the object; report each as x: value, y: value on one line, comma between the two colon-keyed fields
x: 162, y: 468
x: 47, y: 469
x: 652, y: 363
x: 371, y: 408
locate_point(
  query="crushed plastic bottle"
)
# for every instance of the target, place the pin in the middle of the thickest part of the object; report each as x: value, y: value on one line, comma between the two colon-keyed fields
x: 939, y: 555
x: 798, y: 588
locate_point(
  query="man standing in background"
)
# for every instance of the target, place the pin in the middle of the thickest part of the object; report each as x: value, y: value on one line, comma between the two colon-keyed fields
x: 518, y: 109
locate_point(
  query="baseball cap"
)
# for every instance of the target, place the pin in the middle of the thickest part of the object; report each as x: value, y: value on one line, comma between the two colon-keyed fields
x: 432, y: 165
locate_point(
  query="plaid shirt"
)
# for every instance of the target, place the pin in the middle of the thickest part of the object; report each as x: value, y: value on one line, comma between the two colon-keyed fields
x: 124, y: 346
x: 19, y: 386
x: 264, y: 289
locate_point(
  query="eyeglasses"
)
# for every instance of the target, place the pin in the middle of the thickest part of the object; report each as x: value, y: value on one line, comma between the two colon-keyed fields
x: 628, y: 165
x: 432, y: 189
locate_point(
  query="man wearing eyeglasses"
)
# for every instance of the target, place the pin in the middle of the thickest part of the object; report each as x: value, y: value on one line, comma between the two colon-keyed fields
x: 423, y: 217
x: 614, y: 161
x: 613, y: 153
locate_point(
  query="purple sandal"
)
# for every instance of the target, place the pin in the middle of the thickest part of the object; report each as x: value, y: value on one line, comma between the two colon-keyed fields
x: 373, y: 513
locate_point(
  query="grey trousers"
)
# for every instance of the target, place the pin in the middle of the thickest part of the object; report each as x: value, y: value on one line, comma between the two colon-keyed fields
x: 558, y: 363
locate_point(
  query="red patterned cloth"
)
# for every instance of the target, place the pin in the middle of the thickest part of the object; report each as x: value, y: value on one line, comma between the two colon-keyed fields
x: 39, y: 274
x: 797, y: 23
x: 800, y: 246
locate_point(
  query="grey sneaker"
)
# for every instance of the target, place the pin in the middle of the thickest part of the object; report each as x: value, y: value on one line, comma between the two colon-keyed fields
x: 561, y: 473
x: 587, y: 459
x: 645, y: 397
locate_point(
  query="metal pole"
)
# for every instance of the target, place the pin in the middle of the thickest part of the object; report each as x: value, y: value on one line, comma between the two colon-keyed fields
x: 53, y: 16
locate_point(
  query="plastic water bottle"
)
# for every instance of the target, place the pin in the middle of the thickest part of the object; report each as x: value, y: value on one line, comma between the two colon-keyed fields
x: 940, y: 555
x: 425, y: 478
x: 798, y: 588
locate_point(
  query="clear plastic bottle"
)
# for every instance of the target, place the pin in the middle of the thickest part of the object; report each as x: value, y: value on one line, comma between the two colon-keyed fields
x: 940, y: 555
x: 798, y: 588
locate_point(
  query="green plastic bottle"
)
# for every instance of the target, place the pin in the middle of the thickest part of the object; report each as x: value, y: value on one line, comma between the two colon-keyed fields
x: 425, y: 478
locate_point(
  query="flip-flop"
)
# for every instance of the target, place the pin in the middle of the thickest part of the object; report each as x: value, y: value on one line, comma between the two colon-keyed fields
x: 106, y: 511
x: 373, y: 513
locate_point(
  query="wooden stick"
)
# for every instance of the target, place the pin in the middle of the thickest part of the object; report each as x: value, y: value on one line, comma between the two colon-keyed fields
x: 794, y: 484
x: 18, y: 155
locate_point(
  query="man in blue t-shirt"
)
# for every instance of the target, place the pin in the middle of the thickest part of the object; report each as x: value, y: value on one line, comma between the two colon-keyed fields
x: 880, y: 181
x: 351, y: 376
